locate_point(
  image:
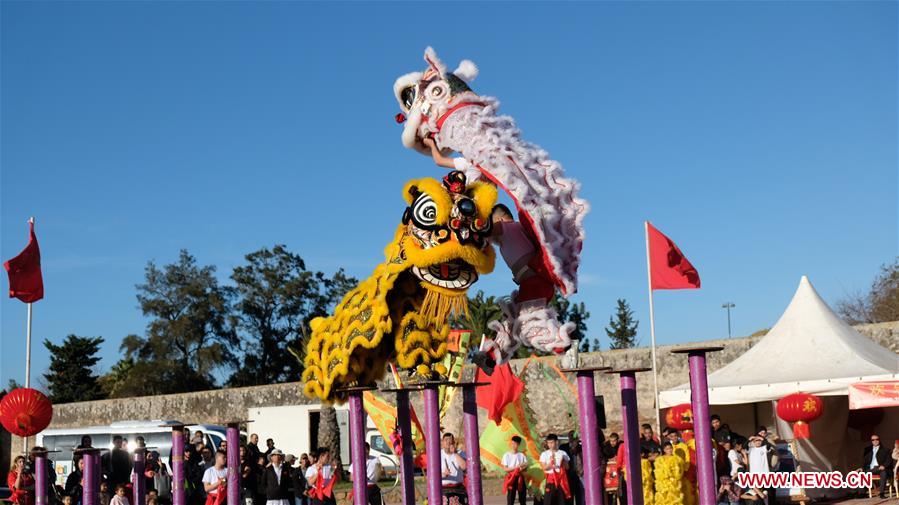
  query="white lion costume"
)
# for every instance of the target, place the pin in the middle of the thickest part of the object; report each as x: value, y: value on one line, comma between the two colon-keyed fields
x: 543, y: 248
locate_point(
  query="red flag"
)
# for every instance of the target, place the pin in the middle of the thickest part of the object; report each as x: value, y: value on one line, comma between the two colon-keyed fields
x: 669, y: 268
x: 504, y: 388
x: 25, y: 280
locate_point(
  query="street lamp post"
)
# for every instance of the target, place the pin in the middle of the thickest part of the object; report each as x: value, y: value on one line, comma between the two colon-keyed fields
x: 728, y: 306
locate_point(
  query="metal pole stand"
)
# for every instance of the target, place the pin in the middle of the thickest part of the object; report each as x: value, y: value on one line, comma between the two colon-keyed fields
x: 432, y: 441
x: 41, y: 486
x: 586, y: 399
x: 472, y: 440
x: 139, y: 483
x: 178, y: 496
x: 91, y: 477
x: 699, y: 393
x: 631, y: 421
x: 232, y: 452
x: 404, y: 426
x: 357, y: 443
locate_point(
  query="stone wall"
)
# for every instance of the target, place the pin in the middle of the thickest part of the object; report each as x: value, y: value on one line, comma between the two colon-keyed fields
x: 551, y: 398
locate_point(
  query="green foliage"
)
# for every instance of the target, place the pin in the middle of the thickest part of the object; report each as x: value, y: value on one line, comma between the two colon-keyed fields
x: 71, y: 377
x: 622, y: 330
x: 190, y: 335
x: 880, y: 304
x: 275, y: 298
x: 575, y: 313
x: 482, y: 310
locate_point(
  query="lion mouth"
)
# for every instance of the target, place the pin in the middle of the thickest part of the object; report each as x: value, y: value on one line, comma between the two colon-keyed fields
x: 451, y: 275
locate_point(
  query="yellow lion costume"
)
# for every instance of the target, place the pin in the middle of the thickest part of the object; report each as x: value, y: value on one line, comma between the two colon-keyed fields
x: 400, y: 313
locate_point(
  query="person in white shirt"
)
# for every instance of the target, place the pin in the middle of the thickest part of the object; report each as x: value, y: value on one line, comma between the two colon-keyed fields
x: 452, y: 466
x: 322, y: 468
x: 758, y: 462
x: 215, y: 478
x: 555, y: 464
x: 515, y: 463
x: 372, y: 474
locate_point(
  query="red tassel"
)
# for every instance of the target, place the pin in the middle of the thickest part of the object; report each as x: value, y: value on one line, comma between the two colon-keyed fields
x: 801, y: 430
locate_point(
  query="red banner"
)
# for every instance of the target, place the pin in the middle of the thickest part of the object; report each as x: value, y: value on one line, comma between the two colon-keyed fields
x: 869, y: 395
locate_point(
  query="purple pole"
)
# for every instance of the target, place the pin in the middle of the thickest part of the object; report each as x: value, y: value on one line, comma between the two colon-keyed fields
x: 40, y: 478
x: 593, y: 492
x: 407, y: 463
x: 232, y: 435
x: 357, y: 448
x: 178, y: 497
x: 699, y: 388
x: 472, y: 443
x: 634, y: 477
x: 139, y: 484
x: 91, y: 478
x: 432, y: 444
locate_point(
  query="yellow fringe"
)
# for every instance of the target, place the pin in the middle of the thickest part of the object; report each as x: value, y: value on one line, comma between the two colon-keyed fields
x: 439, y: 305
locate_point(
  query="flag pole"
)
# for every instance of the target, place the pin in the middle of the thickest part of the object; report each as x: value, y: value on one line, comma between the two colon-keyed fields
x: 652, y: 333
x: 28, y: 343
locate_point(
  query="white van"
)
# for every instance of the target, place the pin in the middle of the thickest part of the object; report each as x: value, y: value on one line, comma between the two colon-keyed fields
x: 157, y: 437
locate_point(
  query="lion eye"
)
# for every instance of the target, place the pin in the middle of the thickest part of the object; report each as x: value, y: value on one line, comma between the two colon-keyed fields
x: 424, y: 211
x: 408, y: 96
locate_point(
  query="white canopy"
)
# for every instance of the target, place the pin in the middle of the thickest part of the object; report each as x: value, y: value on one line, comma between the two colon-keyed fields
x: 809, y: 349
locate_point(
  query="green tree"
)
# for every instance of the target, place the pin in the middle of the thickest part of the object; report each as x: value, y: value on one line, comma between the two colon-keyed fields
x: 576, y: 313
x: 880, y: 304
x: 126, y: 379
x: 71, y: 377
x: 622, y: 330
x: 482, y: 310
x: 190, y: 335
x: 275, y: 298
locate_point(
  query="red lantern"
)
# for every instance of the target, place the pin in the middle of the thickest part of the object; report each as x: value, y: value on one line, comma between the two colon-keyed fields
x: 25, y: 412
x: 800, y: 409
x: 680, y: 417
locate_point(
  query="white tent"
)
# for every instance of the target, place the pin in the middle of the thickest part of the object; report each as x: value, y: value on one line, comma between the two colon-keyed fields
x: 809, y: 349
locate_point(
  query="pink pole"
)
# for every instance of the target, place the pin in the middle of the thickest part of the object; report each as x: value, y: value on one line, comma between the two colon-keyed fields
x: 91, y: 487
x: 40, y: 478
x: 699, y: 392
x: 432, y: 444
x: 138, y: 483
x: 178, y: 497
x: 586, y: 394
x: 232, y: 435
x: 634, y: 477
x: 472, y: 443
x: 404, y: 424
x: 357, y: 447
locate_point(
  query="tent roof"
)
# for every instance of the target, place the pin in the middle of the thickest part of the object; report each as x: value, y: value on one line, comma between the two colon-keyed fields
x: 809, y: 349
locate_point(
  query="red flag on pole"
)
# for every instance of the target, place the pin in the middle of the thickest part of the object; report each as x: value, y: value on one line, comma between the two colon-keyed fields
x: 669, y: 268
x: 25, y: 280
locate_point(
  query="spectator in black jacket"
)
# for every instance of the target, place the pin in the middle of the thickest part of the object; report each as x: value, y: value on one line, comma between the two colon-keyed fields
x: 610, y: 448
x: 277, y: 481
x: 876, y: 459
x: 298, y: 478
x: 74, y: 483
x: 248, y: 478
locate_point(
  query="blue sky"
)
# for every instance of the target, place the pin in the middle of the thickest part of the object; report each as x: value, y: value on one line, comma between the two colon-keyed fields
x: 760, y: 136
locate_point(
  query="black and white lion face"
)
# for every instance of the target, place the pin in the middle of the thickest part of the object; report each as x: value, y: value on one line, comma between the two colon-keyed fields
x: 425, y: 96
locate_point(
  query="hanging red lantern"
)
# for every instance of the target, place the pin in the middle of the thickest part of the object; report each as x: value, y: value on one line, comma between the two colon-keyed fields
x: 680, y: 417
x: 800, y: 409
x: 25, y: 412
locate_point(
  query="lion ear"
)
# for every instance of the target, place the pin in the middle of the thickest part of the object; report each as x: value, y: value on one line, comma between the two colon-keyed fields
x: 434, y: 62
x: 467, y: 71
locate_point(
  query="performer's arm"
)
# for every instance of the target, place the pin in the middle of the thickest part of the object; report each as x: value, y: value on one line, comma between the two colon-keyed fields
x: 460, y: 461
x: 439, y: 158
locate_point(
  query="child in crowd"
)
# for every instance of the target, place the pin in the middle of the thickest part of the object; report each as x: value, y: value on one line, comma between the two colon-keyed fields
x: 515, y: 463
x: 452, y: 466
x: 321, y: 479
x: 119, y: 498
